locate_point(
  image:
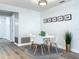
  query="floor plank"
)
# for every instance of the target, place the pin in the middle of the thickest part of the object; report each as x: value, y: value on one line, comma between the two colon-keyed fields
x: 11, y: 51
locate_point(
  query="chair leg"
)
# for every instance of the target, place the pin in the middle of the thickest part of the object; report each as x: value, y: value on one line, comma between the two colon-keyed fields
x: 35, y: 49
x: 49, y: 49
x: 56, y: 48
x: 42, y: 50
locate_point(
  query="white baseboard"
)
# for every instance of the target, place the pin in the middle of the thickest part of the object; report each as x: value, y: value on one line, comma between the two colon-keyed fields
x: 23, y: 44
x: 75, y: 50
x: 16, y: 44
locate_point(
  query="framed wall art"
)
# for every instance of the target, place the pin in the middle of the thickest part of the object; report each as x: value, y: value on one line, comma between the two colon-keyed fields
x: 54, y: 19
x: 67, y: 17
x: 49, y: 20
x: 45, y: 21
x: 60, y: 18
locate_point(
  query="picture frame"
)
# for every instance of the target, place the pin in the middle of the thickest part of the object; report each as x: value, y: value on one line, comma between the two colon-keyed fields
x: 67, y: 17
x: 49, y: 20
x: 44, y: 20
x: 60, y: 18
x: 54, y: 19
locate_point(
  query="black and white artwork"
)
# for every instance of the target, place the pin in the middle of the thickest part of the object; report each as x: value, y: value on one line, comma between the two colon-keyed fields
x: 49, y: 20
x: 54, y: 19
x: 68, y: 17
x: 60, y: 18
x: 45, y: 20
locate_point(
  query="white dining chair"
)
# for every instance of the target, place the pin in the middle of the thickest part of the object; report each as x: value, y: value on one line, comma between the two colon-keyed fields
x: 50, y: 41
x: 53, y: 40
x: 38, y: 41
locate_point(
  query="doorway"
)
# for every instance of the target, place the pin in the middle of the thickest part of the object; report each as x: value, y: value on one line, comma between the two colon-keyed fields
x: 4, y: 27
x: 8, y: 25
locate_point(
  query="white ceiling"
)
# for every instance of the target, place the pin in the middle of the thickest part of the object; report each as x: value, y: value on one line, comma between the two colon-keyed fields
x: 32, y: 4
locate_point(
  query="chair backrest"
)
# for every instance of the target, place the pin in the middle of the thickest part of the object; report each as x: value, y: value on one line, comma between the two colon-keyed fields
x: 32, y: 36
x: 50, y: 39
x: 53, y: 40
x: 38, y: 40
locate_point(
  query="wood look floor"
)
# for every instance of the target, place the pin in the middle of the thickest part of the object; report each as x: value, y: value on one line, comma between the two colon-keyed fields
x: 11, y: 51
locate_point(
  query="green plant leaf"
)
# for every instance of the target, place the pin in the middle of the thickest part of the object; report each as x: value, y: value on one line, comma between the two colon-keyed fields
x: 42, y: 33
x: 68, y: 37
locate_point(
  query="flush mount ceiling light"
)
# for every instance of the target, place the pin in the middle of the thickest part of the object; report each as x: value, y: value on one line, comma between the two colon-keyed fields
x: 42, y: 2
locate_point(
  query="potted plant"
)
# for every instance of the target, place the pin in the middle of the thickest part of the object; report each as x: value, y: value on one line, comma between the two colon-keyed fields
x: 42, y: 33
x: 68, y: 38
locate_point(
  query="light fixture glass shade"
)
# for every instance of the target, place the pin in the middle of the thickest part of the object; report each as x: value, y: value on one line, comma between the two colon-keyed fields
x: 42, y: 2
